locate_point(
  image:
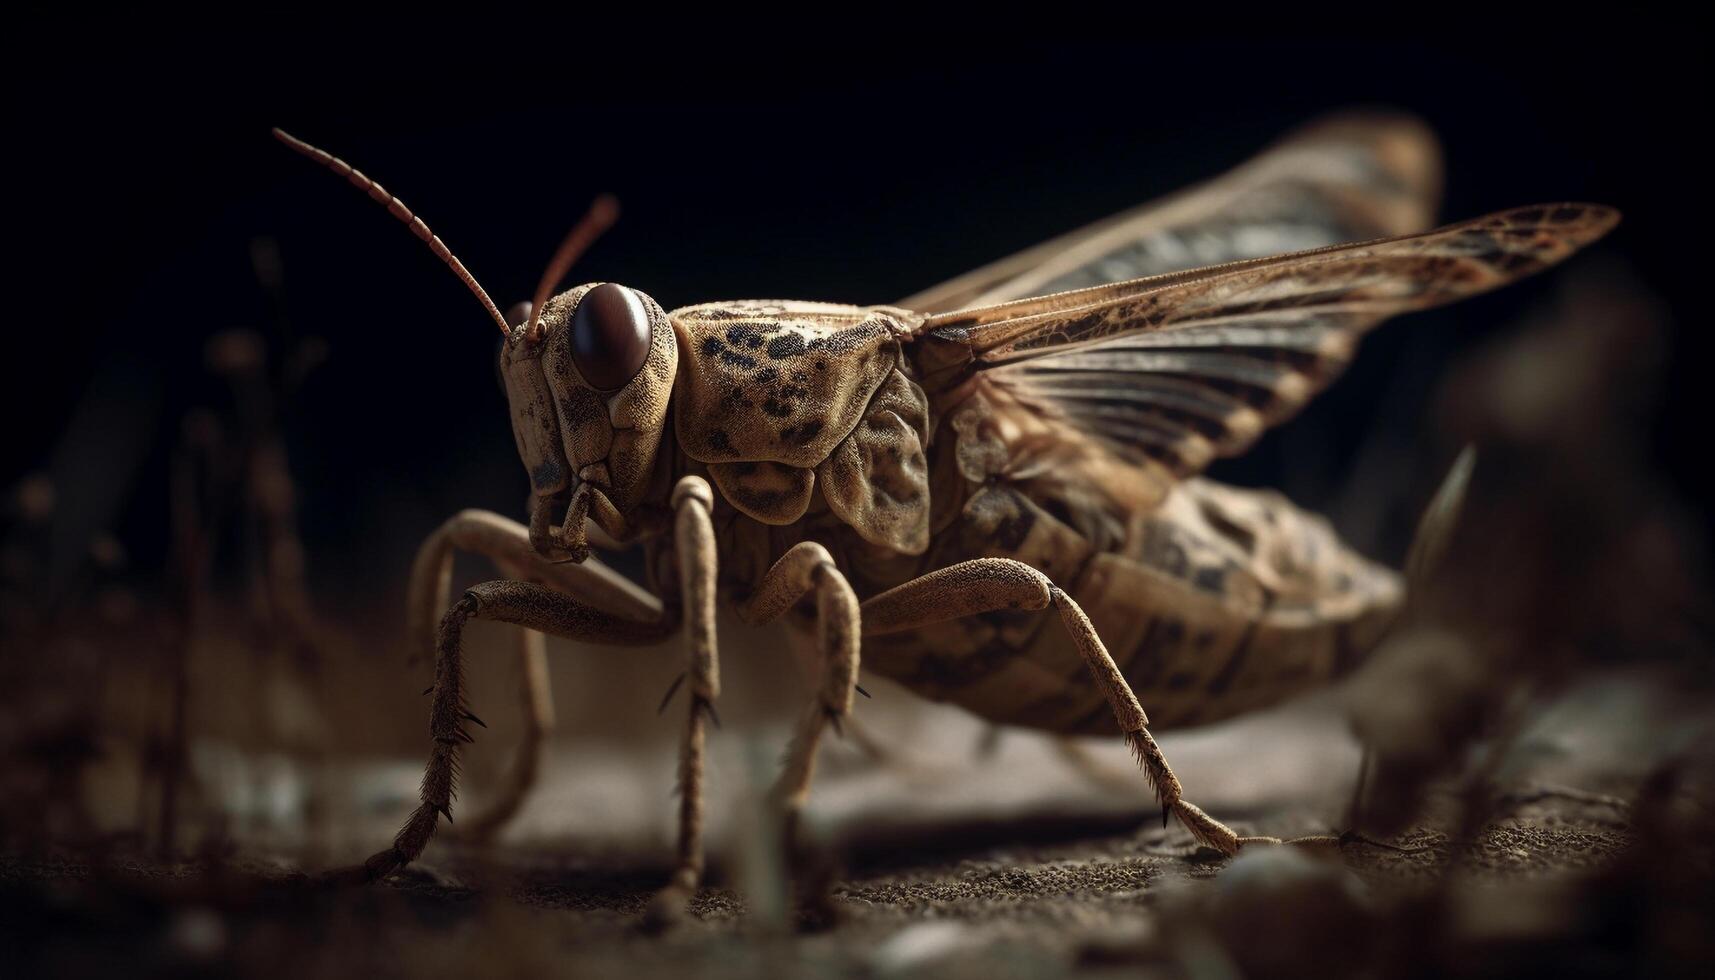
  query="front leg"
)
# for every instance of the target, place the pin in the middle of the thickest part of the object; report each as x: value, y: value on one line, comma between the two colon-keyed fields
x: 521, y: 603
x: 694, y: 545
x: 507, y: 544
x: 990, y: 584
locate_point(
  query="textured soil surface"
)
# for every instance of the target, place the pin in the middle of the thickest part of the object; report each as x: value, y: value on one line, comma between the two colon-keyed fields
x: 1014, y: 863
x: 1089, y: 906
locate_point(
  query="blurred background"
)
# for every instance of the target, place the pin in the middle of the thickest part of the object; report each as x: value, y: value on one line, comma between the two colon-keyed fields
x: 149, y: 204
x: 241, y: 394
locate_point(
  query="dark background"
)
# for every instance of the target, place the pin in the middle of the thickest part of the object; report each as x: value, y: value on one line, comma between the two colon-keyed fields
x: 144, y: 172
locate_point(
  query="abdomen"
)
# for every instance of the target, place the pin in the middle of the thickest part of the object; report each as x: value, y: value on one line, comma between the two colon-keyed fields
x: 1218, y: 602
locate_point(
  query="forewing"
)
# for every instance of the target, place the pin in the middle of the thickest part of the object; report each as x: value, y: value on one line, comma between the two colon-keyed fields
x: 1346, y: 178
x: 1183, y: 368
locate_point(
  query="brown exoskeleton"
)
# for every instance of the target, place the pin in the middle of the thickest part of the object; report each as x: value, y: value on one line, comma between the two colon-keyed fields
x: 934, y: 477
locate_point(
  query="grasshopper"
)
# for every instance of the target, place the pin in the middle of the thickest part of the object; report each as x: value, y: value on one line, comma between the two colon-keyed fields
x: 992, y: 487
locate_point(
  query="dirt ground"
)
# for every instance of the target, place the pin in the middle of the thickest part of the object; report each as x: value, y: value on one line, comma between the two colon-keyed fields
x: 985, y: 858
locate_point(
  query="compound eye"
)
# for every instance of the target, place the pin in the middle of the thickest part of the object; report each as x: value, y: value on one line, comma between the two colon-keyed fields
x: 610, y: 336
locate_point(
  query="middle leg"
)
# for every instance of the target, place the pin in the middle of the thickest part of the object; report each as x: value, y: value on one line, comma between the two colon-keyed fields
x: 804, y: 568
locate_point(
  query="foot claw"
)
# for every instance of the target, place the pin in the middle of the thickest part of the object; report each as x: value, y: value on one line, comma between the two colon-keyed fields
x: 377, y: 867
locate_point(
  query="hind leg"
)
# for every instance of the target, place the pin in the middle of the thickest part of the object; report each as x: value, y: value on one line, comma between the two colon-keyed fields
x: 989, y: 584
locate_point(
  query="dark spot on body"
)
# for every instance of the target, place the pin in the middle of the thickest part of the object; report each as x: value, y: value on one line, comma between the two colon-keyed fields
x: 1160, y: 550
x: 547, y: 475
x: 762, y: 501
x: 786, y: 345
x: 1172, y: 633
x: 766, y: 376
x: 718, y: 441
x: 777, y: 408
x: 735, y: 359
x: 1210, y: 579
x: 744, y: 335
x: 800, y: 435
x: 712, y: 346
x: 1143, y: 657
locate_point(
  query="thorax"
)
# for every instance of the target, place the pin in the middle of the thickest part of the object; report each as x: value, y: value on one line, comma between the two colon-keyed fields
x: 805, y: 412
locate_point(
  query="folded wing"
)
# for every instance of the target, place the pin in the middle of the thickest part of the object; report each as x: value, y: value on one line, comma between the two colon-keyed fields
x: 1182, y: 368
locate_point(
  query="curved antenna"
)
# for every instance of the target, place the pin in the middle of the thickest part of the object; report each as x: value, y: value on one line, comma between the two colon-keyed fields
x: 398, y: 209
x: 603, y: 212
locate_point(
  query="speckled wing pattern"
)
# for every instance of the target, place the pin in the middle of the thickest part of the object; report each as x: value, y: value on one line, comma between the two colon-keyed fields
x: 1182, y: 368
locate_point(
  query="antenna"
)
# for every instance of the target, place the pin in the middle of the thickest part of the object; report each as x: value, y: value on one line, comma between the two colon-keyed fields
x: 603, y: 212
x: 398, y: 209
